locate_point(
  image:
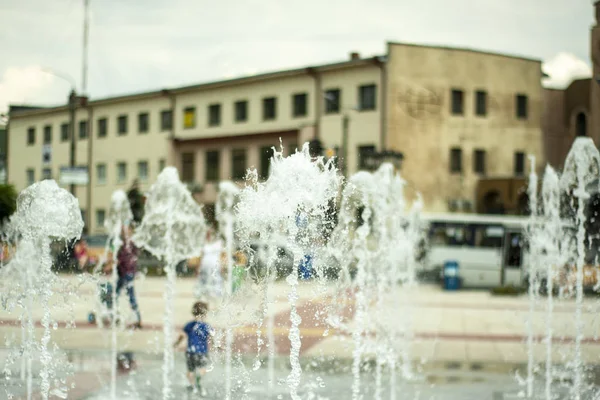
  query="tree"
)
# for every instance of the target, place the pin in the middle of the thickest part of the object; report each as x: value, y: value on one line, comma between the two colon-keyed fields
x: 8, y: 201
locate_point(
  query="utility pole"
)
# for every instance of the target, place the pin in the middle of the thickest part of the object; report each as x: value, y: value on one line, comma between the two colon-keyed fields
x: 72, y: 107
x: 84, y: 61
x: 345, y: 124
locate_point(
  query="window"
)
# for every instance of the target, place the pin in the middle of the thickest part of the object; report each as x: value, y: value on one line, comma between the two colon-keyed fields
x: 161, y: 165
x: 30, y: 176
x: 48, y: 134
x: 581, y: 125
x: 269, y: 108
x: 457, y: 102
x: 333, y: 101
x: 488, y: 236
x: 519, y: 163
x: 47, y: 173
x: 100, y: 217
x: 367, y: 97
x: 214, y: 115
x: 238, y: 164
x: 83, y: 129
x: 212, y: 165
x: 521, y: 106
x: 102, y: 127
x: 143, y: 123
x: 455, y: 160
x: 166, y: 120
x: 121, y: 172
x: 514, y: 254
x: 142, y: 170
x: 299, y: 101
x: 64, y: 132
x: 30, y: 136
x: 266, y: 153
x: 241, y: 111
x: 363, y: 152
x: 188, y: 167
x: 189, y: 118
x: 122, y: 125
x: 448, y: 234
x: 480, y: 103
x: 479, y: 162
x: 101, y: 173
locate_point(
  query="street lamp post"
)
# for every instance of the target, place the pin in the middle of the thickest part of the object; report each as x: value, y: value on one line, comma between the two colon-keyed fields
x: 72, y: 108
x: 345, y: 125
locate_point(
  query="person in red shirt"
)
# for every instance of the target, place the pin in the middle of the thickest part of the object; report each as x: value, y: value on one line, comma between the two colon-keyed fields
x: 80, y: 251
x: 127, y: 257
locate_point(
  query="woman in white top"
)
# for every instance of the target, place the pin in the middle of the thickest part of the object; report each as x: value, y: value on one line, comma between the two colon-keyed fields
x: 210, y: 282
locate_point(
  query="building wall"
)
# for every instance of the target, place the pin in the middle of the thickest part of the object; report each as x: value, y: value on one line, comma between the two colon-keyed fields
x: 253, y: 92
x: 252, y: 145
x: 156, y: 144
x: 130, y: 148
x: 559, y: 122
x: 421, y: 126
x: 364, y: 127
x: 556, y: 142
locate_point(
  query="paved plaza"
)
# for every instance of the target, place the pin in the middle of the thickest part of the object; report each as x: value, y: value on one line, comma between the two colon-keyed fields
x: 465, y: 341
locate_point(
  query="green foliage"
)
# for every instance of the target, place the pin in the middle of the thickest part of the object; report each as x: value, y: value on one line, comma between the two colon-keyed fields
x: 508, y: 291
x: 8, y: 201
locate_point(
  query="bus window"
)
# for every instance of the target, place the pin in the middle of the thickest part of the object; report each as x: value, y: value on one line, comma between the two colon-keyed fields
x: 438, y: 236
x: 488, y: 236
x: 450, y: 235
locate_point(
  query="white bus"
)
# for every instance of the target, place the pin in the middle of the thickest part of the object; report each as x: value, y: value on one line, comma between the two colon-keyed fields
x: 489, y: 249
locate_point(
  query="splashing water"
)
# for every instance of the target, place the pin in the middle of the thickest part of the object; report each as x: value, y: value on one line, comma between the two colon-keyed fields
x: 381, y: 249
x: 582, y: 168
x: 558, y: 241
x: 292, y: 202
x: 119, y: 216
x: 173, y: 229
x: 44, y: 212
x: 551, y: 235
x: 228, y: 193
x: 533, y: 275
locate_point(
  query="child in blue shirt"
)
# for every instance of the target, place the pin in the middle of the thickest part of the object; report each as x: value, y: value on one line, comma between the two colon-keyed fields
x: 198, y: 334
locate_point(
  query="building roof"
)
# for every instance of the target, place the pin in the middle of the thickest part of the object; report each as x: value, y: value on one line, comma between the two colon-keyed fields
x: 468, y: 49
x: 22, y: 111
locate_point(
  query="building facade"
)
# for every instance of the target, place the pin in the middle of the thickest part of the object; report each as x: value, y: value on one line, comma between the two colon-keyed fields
x: 456, y: 115
x: 461, y: 116
x: 575, y: 110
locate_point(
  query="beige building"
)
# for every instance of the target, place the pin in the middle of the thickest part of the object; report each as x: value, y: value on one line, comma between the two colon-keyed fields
x: 457, y: 115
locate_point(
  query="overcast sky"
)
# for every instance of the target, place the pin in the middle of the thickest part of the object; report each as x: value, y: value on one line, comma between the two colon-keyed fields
x: 139, y: 45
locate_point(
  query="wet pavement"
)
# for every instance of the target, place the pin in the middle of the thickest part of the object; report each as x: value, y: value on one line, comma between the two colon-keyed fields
x: 321, y: 379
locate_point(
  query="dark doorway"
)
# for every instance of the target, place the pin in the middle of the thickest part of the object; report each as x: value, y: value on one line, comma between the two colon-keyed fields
x: 492, y: 203
x: 581, y: 125
x: 523, y: 204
